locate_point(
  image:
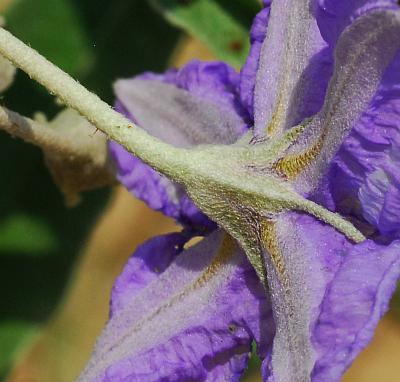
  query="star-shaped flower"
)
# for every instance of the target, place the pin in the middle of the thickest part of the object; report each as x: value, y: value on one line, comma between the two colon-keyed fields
x: 287, y: 159
x: 194, y: 315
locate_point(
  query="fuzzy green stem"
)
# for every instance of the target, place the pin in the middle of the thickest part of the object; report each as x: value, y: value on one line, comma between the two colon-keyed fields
x: 333, y: 219
x: 159, y: 155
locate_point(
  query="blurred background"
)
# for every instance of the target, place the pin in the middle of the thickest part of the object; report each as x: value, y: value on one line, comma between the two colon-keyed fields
x: 57, y: 264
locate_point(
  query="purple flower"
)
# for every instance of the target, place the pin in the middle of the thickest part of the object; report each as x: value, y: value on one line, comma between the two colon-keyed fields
x: 310, y: 124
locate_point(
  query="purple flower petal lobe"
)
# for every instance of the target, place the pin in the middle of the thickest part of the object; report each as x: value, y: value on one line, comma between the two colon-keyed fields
x: 335, y: 15
x: 354, y: 302
x: 175, y: 115
x: 364, y: 178
x: 363, y: 53
x: 292, y: 39
x: 327, y: 294
x: 249, y: 69
x: 194, y: 318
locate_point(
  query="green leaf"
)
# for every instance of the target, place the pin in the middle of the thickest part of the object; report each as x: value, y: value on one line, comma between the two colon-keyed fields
x: 13, y: 336
x: 26, y: 234
x: 222, y: 25
x: 36, y: 22
x: 252, y: 372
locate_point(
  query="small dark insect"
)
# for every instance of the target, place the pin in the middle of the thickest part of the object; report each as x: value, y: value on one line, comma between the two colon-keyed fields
x: 232, y: 328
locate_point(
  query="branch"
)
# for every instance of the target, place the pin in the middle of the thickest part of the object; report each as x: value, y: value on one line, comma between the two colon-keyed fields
x: 165, y: 158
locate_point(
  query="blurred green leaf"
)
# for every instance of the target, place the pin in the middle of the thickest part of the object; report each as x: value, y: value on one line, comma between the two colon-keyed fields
x: 35, y: 21
x: 222, y: 25
x: 129, y: 37
x: 13, y: 336
x: 26, y: 234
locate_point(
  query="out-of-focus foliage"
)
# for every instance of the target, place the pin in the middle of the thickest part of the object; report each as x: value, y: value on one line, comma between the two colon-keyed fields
x: 96, y: 41
x: 221, y: 24
x: 73, y: 52
x: 38, y: 238
x: 13, y: 336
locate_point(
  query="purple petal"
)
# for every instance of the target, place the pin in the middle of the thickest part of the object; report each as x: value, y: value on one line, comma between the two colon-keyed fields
x: 328, y: 309
x: 292, y: 40
x: 249, y: 69
x: 354, y: 302
x: 364, y: 179
x: 334, y: 16
x: 196, y: 104
x: 216, y: 82
x: 176, y: 116
x: 149, y: 261
x: 183, y: 317
x: 363, y: 53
